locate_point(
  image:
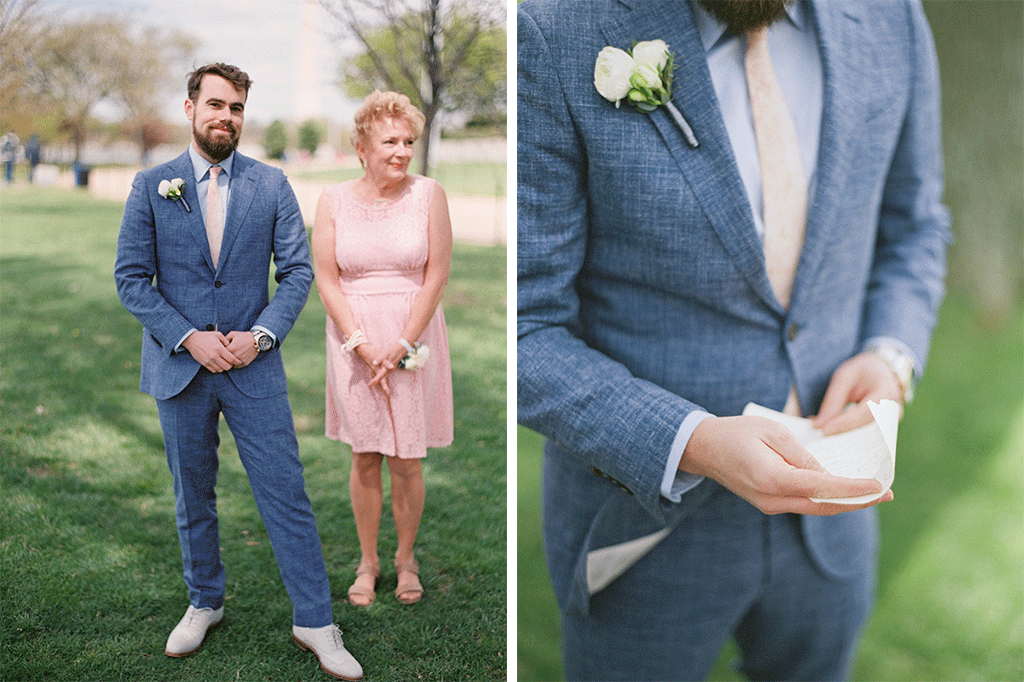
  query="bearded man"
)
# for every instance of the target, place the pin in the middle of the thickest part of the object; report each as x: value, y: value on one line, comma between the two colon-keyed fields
x: 193, y: 259
x: 764, y: 225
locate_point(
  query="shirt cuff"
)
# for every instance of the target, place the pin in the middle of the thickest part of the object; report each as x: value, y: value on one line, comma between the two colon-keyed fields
x: 178, y: 348
x: 675, y: 483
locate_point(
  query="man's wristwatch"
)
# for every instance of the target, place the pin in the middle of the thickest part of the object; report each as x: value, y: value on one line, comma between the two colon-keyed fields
x: 902, y: 366
x: 264, y: 341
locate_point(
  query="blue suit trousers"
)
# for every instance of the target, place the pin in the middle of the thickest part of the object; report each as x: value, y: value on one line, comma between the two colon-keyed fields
x: 267, y: 446
x: 726, y: 570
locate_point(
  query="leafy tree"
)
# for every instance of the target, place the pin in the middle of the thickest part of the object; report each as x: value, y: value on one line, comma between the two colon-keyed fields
x: 311, y: 134
x: 275, y: 140
x: 429, y: 50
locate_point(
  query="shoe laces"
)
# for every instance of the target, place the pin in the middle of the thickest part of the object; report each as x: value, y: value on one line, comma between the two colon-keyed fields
x: 193, y: 613
x: 335, y: 634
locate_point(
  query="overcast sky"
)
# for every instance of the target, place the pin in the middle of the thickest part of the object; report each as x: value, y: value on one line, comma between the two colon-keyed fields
x: 264, y: 39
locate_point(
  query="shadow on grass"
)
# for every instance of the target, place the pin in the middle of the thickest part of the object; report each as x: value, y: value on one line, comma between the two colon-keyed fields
x: 67, y: 353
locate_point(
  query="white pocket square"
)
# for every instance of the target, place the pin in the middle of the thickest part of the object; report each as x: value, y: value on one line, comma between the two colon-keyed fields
x: 607, y: 563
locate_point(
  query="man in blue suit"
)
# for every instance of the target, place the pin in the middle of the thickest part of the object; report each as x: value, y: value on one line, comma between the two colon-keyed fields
x: 652, y: 309
x: 193, y: 259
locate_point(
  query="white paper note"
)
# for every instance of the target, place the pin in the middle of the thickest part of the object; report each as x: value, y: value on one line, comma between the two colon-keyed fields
x: 865, y: 452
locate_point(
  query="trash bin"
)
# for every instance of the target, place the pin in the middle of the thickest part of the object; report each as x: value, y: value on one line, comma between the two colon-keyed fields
x: 81, y: 175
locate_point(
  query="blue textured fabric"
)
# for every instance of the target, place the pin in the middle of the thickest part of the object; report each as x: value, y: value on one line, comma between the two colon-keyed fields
x: 642, y: 289
x: 755, y: 582
x: 265, y: 435
x: 166, y: 278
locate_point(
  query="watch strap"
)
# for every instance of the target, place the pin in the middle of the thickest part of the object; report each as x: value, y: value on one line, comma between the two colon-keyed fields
x: 902, y: 366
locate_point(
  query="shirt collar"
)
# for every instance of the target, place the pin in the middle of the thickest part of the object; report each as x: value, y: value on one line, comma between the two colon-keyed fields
x: 201, y: 166
x: 712, y: 30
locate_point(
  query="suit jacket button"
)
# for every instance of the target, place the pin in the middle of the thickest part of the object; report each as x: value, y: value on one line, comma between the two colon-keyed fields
x: 209, y: 327
x: 218, y: 284
x: 793, y: 331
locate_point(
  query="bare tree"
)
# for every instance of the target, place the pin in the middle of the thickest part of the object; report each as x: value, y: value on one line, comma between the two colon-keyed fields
x: 142, y: 81
x: 24, y: 27
x: 89, y: 58
x: 429, y: 43
x: 78, y: 69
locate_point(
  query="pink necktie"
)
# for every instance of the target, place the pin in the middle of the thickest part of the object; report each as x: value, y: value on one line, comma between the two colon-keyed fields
x: 214, y: 215
x: 783, y: 180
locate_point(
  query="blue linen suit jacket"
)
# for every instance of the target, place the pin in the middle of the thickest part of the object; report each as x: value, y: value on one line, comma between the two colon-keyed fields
x: 166, y: 277
x: 642, y: 288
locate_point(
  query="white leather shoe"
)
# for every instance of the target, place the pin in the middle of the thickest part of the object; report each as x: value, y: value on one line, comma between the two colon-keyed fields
x: 189, y: 633
x: 326, y: 644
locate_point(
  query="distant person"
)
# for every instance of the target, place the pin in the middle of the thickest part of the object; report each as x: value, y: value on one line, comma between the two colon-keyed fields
x: 9, y: 151
x: 382, y: 246
x: 205, y: 227
x: 33, y: 152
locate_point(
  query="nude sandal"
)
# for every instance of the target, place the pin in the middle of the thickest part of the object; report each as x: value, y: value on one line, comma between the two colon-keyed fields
x: 358, y: 590
x: 408, y: 587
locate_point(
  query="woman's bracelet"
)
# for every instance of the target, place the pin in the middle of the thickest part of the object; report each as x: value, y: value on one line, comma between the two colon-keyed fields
x: 405, y: 344
x: 358, y: 338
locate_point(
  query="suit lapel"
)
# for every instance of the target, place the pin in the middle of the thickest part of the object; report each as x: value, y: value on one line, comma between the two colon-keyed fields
x: 710, y: 169
x: 244, y: 182
x: 182, y: 167
x: 838, y: 42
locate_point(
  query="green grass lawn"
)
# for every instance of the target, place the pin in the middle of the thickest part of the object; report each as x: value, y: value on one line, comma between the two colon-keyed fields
x: 91, y: 573
x: 950, y: 603
x: 481, y: 179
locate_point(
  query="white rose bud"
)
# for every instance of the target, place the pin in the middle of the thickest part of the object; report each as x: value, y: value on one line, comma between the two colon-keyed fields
x: 164, y: 188
x: 651, y: 53
x: 612, y: 72
x: 176, y: 183
x: 650, y: 76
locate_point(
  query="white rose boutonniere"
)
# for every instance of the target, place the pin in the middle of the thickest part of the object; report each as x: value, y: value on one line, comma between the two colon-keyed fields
x: 643, y: 77
x: 612, y: 72
x: 172, y: 189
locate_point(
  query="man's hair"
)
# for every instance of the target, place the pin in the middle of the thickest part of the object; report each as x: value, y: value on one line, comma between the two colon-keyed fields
x: 232, y: 74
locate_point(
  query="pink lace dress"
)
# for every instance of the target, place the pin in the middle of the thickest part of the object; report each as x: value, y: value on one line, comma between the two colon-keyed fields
x: 381, y: 253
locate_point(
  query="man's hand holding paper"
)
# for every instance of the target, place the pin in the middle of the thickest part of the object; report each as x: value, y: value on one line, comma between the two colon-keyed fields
x: 868, y: 451
x: 764, y: 457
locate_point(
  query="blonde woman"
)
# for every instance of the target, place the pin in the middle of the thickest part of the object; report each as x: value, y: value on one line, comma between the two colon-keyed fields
x: 382, y: 247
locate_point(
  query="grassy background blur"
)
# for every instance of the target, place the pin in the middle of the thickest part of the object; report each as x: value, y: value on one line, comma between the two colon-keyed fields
x: 950, y: 602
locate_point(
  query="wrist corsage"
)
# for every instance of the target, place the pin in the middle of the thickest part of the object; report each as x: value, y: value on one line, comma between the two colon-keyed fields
x: 643, y: 77
x: 416, y: 356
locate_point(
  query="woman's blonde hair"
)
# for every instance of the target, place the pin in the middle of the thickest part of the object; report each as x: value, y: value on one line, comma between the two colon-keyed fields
x: 383, y: 105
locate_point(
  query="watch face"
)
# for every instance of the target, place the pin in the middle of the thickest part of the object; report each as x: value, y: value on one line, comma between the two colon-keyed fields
x: 264, y: 342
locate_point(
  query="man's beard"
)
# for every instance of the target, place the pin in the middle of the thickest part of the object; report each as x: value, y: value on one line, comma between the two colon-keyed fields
x: 217, y: 148
x: 741, y: 16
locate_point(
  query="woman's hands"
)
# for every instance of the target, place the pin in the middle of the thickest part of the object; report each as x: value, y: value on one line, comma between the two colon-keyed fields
x: 381, y: 363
